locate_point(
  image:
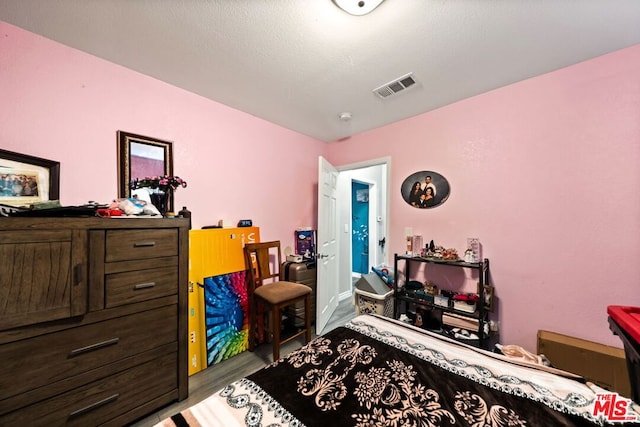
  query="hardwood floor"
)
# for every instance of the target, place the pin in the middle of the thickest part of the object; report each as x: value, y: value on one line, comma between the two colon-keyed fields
x: 217, y: 376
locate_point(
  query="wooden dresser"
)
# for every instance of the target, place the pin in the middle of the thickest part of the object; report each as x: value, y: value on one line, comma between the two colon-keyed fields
x: 93, y: 319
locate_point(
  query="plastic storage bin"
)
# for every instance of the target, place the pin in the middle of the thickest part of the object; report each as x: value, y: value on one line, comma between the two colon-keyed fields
x: 368, y: 303
x: 625, y: 322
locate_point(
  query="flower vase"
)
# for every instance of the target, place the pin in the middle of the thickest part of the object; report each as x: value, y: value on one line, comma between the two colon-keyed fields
x: 160, y: 201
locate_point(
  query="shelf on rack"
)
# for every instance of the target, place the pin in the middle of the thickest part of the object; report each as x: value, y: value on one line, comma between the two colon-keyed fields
x: 445, y: 332
x: 422, y: 302
x: 455, y: 263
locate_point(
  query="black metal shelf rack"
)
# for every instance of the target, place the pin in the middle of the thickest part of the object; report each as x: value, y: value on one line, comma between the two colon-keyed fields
x: 480, y: 314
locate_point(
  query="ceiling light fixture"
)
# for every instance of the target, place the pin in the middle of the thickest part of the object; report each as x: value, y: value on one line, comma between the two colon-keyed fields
x: 357, y: 7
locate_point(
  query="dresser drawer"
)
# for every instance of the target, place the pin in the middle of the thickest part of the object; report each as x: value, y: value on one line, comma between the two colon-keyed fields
x: 102, y: 400
x: 122, y: 245
x: 58, y: 356
x: 140, y: 285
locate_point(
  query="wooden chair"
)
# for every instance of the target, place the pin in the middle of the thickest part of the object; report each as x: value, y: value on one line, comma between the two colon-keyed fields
x: 268, y: 289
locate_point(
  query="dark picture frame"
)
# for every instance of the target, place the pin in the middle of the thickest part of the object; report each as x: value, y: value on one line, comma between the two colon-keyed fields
x: 33, y: 179
x: 141, y: 156
x: 427, y: 182
x: 488, y: 297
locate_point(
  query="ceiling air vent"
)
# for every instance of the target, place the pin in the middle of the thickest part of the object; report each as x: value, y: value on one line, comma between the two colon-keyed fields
x: 395, y: 86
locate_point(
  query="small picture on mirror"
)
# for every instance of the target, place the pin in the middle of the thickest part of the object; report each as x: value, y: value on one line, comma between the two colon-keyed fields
x: 425, y: 189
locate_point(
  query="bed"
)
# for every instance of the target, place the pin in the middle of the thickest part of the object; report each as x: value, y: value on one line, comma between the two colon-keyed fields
x: 377, y: 371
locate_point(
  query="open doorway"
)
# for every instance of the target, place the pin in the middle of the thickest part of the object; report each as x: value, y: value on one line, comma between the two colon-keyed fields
x: 359, y: 228
x: 363, y: 235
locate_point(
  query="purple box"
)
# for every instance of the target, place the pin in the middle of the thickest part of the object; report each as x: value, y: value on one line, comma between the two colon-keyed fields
x: 306, y: 244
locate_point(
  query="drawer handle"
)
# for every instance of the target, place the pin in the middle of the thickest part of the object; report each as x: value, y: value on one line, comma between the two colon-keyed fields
x: 92, y: 347
x: 94, y: 405
x: 143, y: 244
x: 78, y: 274
x: 144, y: 285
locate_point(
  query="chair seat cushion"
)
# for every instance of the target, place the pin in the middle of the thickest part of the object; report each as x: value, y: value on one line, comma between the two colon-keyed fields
x: 278, y: 292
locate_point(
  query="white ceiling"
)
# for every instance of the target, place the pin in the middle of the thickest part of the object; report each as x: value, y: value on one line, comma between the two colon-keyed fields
x: 300, y: 63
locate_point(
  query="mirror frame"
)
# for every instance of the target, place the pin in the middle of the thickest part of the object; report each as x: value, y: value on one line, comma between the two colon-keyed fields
x: 125, y: 139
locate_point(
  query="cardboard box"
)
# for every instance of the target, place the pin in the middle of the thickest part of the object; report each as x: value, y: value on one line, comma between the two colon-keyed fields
x: 212, y: 252
x: 197, y: 354
x: 306, y: 244
x: 441, y: 300
x: 215, y: 251
x: 457, y: 321
x: 601, y: 364
x: 464, y: 306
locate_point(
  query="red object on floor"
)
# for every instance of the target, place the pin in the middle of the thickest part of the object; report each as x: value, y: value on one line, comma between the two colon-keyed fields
x: 628, y: 318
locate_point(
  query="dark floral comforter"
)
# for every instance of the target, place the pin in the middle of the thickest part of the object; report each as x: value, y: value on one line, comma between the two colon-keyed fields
x: 378, y: 372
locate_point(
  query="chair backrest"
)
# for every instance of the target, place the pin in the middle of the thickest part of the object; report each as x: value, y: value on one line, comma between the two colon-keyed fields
x: 260, y: 255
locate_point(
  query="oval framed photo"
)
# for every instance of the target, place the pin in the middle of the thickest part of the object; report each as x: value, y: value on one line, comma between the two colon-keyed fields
x: 425, y: 189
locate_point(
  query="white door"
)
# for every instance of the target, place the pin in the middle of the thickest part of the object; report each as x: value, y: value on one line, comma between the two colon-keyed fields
x: 327, y: 260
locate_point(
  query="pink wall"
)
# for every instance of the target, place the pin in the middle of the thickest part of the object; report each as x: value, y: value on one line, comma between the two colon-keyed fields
x: 62, y: 104
x: 546, y: 173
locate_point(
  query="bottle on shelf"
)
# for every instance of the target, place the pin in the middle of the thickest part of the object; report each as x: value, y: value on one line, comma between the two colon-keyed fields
x: 185, y: 213
x: 417, y: 246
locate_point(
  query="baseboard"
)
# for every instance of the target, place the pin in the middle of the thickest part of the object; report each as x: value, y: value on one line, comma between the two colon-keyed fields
x: 345, y: 295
